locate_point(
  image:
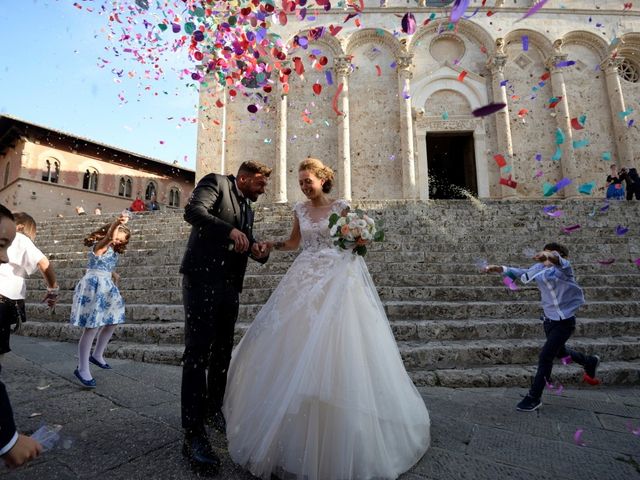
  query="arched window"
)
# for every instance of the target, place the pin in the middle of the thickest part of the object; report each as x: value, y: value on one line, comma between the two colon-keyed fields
x: 124, y: 187
x: 628, y: 70
x: 51, y: 171
x: 7, y: 171
x: 90, y: 179
x: 151, y: 191
x: 174, y: 197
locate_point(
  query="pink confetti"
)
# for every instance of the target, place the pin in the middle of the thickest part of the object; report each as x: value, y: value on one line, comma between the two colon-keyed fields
x: 608, y: 261
x: 637, y: 261
x: 509, y: 283
x: 566, y: 360
x: 571, y: 229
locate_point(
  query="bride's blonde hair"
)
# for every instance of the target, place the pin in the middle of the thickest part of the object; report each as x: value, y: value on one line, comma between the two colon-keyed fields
x: 320, y: 170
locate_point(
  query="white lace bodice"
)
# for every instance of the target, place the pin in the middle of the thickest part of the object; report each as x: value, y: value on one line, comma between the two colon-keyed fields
x: 314, y: 224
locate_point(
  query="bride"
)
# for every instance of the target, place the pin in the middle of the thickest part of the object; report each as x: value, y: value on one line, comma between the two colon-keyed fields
x: 316, y: 388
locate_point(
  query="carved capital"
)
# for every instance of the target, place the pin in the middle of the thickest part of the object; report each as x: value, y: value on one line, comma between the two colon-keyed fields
x: 552, y: 61
x: 405, y: 65
x: 496, y: 63
x: 611, y: 64
x: 342, y: 66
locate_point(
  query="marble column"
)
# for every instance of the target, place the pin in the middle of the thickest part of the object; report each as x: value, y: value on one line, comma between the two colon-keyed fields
x: 342, y: 70
x: 404, y: 68
x: 280, y: 180
x: 563, y: 121
x: 503, y: 128
x: 616, y: 102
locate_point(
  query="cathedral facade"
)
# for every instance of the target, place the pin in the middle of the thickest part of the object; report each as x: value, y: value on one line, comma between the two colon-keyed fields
x: 392, y: 111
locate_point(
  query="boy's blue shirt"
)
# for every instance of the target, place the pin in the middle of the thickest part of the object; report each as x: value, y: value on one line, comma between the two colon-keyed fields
x: 560, y: 294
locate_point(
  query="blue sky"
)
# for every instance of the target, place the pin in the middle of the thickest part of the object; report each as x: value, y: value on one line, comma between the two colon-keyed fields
x: 49, y: 75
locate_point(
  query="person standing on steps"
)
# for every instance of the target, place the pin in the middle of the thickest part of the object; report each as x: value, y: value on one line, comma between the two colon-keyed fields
x: 213, y: 269
x: 15, y: 449
x: 561, y: 298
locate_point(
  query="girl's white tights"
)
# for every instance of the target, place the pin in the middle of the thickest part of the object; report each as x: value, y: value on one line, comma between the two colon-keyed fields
x: 101, y: 343
x: 84, y: 349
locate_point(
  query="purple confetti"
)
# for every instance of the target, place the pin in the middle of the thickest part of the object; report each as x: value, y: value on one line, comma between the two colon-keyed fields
x: 525, y: 43
x: 328, y: 77
x: 459, y: 7
x: 620, y: 230
x: 488, y: 109
x: 565, y: 63
x: 562, y: 183
x: 534, y: 9
x: 408, y: 23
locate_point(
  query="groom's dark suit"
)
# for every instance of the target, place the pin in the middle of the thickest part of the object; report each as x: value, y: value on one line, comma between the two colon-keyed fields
x: 213, y: 276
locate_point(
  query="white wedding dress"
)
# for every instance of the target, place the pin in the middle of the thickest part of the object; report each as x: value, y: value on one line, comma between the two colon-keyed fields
x: 316, y: 388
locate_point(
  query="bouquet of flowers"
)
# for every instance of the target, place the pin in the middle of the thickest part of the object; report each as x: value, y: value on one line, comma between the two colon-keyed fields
x: 354, y: 230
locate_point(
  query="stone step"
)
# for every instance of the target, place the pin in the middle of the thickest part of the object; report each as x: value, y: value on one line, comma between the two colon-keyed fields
x: 435, y: 355
x: 402, y: 293
x: 69, y: 277
x: 403, y: 330
x: 396, y: 310
x: 397, y: 264
x: 611, y: 372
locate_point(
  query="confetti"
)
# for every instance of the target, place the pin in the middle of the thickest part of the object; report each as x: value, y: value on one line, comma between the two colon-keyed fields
x: 609, y: 261
x: 637, y: 261
x: 576, y: 124
x: 525, y: 43
x: 458, y: 9
x: 509, y: 283
x: 571, y: 229
x: 577, y: 438
x: 635, y: 431
x: 566, y: 360
x: 488, y: 109
x: 462, y: 75
x: 586, y: 188
x: 620, y: 230
x: 591, y: 381
x: 44, y: 387
x: 534, y: 9
x: 580, y: 143
x: 565, y: 63
x: 508, y: 182
x: 500, y: 160
x: 408, y: 23
x: 335, y: 100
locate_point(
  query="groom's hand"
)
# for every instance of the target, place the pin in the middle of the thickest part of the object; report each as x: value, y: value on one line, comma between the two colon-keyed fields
x: 240, y: 241
x: 259, y: 250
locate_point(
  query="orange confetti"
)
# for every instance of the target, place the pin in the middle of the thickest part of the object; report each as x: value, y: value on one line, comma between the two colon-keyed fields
x: 462, y: 75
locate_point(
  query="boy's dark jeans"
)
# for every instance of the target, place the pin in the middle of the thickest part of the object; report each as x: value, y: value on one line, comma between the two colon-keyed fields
x: 557, y: 332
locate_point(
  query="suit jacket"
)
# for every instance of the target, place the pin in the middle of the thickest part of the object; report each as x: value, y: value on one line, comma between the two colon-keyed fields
x: 7, y: 425
x: 213, y: 211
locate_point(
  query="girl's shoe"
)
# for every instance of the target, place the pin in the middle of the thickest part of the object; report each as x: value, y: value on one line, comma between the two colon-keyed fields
x: 87, y: 383
x: 528, y: 404
x: 106, y: 366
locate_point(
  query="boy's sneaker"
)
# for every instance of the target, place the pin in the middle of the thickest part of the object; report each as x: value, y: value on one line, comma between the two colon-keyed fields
x: 529, y: 404
x: 591, y: 367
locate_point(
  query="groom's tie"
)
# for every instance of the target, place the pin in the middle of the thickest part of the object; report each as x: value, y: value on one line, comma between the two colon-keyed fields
x: 243, y: 212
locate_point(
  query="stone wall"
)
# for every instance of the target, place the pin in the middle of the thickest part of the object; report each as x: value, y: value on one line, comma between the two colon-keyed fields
x: 396, y: 88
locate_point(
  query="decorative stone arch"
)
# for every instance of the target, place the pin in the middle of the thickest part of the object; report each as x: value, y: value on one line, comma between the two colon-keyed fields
x: 589, y: 40
x: 465, y: 28
x: 474, y: 87
x: 326, y: 40
x: 475, y: 92
x: 537, y: 39
x: 372, y: 35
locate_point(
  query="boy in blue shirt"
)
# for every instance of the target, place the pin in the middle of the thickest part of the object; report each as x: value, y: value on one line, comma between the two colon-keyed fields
x: 561, y: 297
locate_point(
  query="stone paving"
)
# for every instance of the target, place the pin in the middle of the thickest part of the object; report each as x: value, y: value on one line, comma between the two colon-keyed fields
x: 129, y: 427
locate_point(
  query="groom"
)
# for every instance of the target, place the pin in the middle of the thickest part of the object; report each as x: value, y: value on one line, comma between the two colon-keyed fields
x: 213, y: 271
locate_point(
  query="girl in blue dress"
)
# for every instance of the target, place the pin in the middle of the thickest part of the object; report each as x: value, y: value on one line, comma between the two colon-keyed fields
x: 97, y: 304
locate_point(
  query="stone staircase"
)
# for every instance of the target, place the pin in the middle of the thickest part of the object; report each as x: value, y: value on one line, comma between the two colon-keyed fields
x: 454, y: 325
